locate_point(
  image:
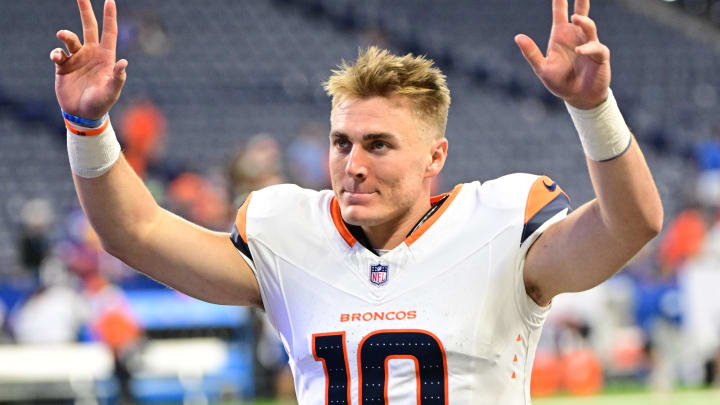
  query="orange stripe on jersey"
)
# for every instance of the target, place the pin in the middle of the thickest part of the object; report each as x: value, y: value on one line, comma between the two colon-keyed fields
x: 545, y: 200
x: 427, y: 224
x: 241, y: 218
x: 87, y: 132
x: 541, y: 193
x: 339, y: 224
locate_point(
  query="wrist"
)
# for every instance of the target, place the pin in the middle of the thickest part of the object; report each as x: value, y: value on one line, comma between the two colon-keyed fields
x: 84, y: 122
x: 92, y: 151
x: 603, y: 133
x: 583, y: 104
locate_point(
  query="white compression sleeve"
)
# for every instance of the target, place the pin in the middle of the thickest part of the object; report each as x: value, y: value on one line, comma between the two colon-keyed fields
x: 604, y: 135
x: 92, y: 155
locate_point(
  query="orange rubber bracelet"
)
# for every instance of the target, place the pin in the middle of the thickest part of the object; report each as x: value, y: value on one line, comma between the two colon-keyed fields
x: 87, y: 132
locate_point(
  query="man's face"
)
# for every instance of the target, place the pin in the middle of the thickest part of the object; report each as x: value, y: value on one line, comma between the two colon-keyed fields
x: 381, y: 160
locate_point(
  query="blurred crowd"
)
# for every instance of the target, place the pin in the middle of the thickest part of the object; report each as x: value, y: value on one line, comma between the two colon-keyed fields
x: 72, y: 290
x: 657, y: 322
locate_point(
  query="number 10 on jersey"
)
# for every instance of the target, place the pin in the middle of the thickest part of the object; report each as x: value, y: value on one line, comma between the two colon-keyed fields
x: 374, y: 352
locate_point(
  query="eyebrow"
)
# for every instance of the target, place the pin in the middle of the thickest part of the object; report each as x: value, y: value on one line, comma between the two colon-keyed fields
x: 374, y: 136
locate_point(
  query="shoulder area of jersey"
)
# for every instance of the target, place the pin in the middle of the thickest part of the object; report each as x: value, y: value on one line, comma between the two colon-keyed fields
x: 514, y: 190
x: 280, y: 198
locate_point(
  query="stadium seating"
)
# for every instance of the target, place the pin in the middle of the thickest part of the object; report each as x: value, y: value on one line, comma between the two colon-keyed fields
x: 227, y: 71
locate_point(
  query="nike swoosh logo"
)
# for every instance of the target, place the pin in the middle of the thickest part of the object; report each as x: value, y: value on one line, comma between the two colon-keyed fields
x: 551, y: 187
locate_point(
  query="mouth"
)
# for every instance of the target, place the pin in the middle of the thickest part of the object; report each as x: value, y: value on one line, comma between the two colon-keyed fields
x: 355, y: 197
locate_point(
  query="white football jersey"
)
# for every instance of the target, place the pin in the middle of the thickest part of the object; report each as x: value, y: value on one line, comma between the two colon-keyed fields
x: 443, y: 318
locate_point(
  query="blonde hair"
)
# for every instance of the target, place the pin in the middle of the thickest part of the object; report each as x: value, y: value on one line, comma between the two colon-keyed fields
x: 377, y: 72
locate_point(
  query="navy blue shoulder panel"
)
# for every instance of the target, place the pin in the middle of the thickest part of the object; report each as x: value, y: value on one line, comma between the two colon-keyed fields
x: 239, y: 243
x: 556, y: 205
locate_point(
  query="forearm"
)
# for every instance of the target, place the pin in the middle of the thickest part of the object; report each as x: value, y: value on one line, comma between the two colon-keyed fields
x: 629, y: 205
x: 118, y: 205
x: 150, y: 239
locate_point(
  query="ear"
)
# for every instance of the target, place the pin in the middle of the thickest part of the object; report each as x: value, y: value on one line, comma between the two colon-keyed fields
x: 438, y: 154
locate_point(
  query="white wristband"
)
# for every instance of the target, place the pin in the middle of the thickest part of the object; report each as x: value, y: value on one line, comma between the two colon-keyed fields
x: 603, y: 132
x: 91, y: 155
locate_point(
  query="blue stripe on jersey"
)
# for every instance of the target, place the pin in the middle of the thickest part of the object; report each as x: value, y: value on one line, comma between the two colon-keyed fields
x: 239, y: 243
x: 558, y: 204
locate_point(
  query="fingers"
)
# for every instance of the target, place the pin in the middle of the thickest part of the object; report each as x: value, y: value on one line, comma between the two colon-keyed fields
x: 582, y: 7
x: 58, y: 56
x: 110, y: 29
x: 560, y: 12
x: 596, y: 51
x: 89, y: 24
x: 119, y: 74
x: 71, y: 41
x: 531, y: 52
x: 587, y: 25
x: 593, y: 49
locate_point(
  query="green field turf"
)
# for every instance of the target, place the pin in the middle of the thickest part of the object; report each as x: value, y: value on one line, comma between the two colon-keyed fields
x: 677, y: 398
x: 704, y: 397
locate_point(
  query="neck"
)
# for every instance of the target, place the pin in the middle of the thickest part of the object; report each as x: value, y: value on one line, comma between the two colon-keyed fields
x: 392, y: 233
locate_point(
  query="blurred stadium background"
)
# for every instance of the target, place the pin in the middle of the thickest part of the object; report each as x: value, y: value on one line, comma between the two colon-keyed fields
x: 224, y: 97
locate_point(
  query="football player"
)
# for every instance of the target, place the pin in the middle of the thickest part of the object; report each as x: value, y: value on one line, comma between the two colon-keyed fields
x: 382, y: 293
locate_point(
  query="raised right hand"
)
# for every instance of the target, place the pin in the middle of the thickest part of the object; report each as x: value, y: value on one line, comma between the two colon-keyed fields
x: 88, y: 81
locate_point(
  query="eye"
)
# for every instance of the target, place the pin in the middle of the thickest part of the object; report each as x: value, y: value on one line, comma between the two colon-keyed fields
x: 379, y: 145
x: 341, y: 143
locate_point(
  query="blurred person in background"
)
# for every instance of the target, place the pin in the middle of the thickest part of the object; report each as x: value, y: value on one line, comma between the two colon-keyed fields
x: 37, y: 218
x: 55, y: 313
x: 143, y: 133
x: 307, y: 157
x: 273, y: 377
x: 668, y: 302
x: 143, y: 30
x: 80, y: 249
x: 698, y: 283
x: 143, y: 128
x: 684, y: 237
x: 289, y: 246
x: 197, y: 199
x: 112, y: 322
x: 658, y: 313
x: 255, y: 165
x: 707, y: 152
x: 707, y: 160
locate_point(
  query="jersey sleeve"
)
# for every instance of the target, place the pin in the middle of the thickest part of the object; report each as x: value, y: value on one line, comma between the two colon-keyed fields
x: 545, y: 205
x: 238, y: 234
x: 545, y: 201
x: 275, y: 225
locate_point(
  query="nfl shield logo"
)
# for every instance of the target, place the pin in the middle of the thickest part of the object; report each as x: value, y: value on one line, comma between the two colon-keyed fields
x: 378, y: 274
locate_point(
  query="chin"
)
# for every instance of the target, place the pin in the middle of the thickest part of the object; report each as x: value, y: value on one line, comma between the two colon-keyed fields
x: 360, y: 216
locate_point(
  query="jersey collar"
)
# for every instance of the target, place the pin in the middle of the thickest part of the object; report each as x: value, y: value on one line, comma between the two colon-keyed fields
x: 440, y: 204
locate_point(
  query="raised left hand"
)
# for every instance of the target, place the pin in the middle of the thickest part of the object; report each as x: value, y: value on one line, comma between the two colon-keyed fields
x: 577, y: 65
x: 88, y: 79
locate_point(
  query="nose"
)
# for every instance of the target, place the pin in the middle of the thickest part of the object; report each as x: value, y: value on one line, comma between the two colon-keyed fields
x: 356, y: 165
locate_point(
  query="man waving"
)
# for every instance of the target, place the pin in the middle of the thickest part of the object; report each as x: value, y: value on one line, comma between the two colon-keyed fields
x: 376, y: 278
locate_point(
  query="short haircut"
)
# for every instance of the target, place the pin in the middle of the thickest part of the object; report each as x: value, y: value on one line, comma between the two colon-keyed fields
x: 377, y: 72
